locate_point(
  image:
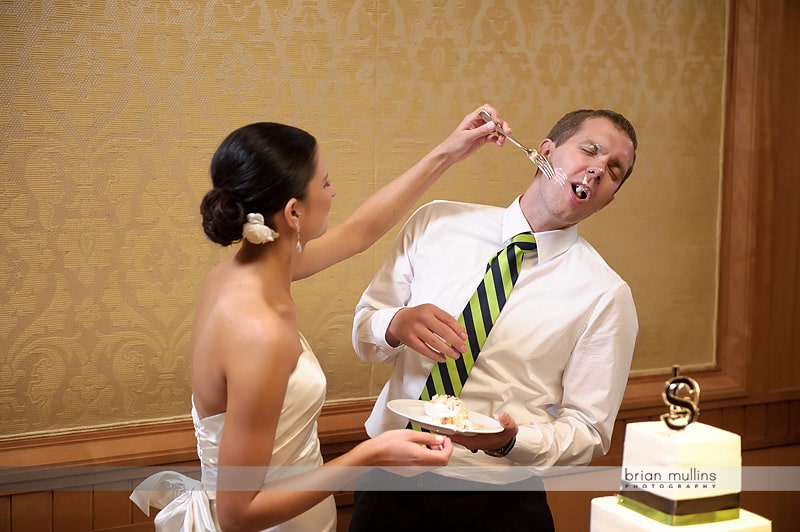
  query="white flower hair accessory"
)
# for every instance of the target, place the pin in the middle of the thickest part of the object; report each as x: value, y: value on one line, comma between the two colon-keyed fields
x: 256, y: 232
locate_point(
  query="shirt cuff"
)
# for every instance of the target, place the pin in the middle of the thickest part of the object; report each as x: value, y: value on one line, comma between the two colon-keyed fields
x: 527, y: 448
x: 380, y: 324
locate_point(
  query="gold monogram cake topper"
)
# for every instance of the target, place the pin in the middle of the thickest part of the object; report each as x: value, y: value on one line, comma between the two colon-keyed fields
x: 682, y: 395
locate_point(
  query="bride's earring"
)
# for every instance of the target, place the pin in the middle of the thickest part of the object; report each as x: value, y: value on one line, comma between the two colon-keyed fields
x: 299, y: 245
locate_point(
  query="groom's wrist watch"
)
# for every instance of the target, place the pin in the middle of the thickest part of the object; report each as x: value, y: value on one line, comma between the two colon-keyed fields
x: 502, y: 451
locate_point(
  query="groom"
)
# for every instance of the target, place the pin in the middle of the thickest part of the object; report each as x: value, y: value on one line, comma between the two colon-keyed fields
x: 555, y: 363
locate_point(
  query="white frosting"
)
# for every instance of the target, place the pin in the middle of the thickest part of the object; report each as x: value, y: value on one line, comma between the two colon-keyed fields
x: 448, y: 410
x: 699, y: 461
x: 438, y: 411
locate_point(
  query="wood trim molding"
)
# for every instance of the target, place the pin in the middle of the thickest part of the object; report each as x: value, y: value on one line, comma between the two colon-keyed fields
x: 340, y: 422
x: 159, y: 443
x: 170, y: 442
x: 341, y: 426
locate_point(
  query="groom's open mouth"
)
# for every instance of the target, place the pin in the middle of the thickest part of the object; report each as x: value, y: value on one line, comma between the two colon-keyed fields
x: 580, y: 191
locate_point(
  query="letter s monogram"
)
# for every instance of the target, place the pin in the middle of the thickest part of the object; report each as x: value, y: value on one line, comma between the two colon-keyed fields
x: 683, y: 408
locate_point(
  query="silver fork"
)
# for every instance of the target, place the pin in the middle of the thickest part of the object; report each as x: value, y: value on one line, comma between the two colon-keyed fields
x: 537, y: 158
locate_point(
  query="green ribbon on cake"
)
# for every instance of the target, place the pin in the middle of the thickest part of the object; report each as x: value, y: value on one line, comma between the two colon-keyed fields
x: 699, y: 518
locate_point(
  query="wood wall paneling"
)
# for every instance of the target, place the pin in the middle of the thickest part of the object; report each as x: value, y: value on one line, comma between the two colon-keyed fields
x: 5, y: 513
x: 72, y: 510
x: 32, y: 511
x: 778, y: 268
x: 112, y: 507
x: 767, y: 439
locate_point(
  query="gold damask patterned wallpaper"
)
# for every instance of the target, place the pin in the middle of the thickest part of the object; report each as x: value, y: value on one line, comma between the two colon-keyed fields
x: 111, y: 111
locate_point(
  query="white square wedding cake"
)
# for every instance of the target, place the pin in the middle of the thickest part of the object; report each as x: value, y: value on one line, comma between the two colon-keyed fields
x: 688, y: 478
x: 678, y: 473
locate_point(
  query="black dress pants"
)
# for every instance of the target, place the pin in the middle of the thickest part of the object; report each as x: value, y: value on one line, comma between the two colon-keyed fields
x: 432, y: 502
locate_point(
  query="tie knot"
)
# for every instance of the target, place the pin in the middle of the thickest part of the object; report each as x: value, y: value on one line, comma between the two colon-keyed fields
x: 525, y: 241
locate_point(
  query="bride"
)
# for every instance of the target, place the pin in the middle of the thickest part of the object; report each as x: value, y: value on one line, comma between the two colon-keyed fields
x: 257, y: 388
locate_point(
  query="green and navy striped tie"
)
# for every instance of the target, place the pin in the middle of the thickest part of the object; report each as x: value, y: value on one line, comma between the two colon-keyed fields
x: 479, y: 316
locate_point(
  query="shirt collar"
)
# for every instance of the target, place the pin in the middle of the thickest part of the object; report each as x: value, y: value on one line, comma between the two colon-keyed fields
x: 549, y: 244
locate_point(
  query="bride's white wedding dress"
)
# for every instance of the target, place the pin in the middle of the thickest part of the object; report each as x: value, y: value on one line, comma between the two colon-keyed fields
x: 190, y: 506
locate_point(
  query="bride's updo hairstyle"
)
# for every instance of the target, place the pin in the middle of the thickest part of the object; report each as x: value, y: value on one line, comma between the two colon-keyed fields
x: 256, y: 169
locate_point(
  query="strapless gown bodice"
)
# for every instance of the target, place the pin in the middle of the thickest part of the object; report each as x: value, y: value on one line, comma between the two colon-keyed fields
x: 296, y: 446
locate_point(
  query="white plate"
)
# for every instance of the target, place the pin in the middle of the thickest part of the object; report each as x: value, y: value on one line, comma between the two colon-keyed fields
x: 414, y: 410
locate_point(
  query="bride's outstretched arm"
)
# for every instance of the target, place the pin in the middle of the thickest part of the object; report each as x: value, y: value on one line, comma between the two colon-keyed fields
x: 383, y: 209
